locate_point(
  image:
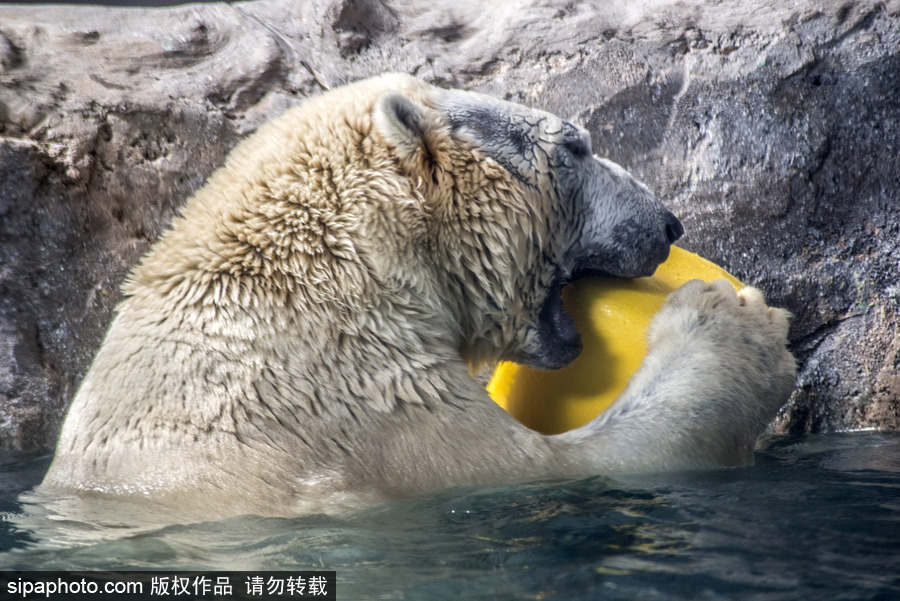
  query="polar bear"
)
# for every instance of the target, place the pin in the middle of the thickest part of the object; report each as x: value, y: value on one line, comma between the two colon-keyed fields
x: 302, y: 338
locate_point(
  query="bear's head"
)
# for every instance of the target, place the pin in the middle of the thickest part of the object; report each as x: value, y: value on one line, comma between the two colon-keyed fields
x: 515, y: 206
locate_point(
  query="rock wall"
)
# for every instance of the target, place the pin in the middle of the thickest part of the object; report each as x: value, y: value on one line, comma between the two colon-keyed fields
x: 772, y: 129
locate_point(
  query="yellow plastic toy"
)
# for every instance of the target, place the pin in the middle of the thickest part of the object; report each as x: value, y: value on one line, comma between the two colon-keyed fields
x: 612, y: 316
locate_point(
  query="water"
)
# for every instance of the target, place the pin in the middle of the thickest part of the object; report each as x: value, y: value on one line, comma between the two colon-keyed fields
x: 817, y: 518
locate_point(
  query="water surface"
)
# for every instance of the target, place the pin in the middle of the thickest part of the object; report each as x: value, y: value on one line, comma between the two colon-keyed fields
x: 816, y: 518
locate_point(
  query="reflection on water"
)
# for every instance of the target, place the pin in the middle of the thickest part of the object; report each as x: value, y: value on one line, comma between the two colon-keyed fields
x: 816, y: 518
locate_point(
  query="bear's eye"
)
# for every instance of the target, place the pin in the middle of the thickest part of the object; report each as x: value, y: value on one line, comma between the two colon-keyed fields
x: 577, y: 142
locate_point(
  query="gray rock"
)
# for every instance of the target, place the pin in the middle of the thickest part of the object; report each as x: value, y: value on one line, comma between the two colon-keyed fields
x: 772, y: 129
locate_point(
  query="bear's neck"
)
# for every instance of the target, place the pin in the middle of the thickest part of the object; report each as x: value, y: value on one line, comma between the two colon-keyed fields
x: 316, y: 359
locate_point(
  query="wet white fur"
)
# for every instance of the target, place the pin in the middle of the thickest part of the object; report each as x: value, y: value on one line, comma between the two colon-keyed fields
x: 302, y: 338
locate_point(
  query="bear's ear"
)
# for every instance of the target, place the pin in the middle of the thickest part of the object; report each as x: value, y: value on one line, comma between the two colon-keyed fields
x: 403, y: 123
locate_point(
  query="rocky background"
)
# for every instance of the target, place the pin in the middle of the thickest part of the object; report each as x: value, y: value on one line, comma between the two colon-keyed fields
x: 771, y: 128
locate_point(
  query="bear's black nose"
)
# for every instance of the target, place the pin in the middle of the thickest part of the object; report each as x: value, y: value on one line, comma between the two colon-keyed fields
x: 674, y: 229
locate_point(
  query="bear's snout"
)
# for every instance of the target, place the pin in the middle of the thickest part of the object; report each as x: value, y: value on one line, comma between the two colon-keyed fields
x: 674, y: 229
